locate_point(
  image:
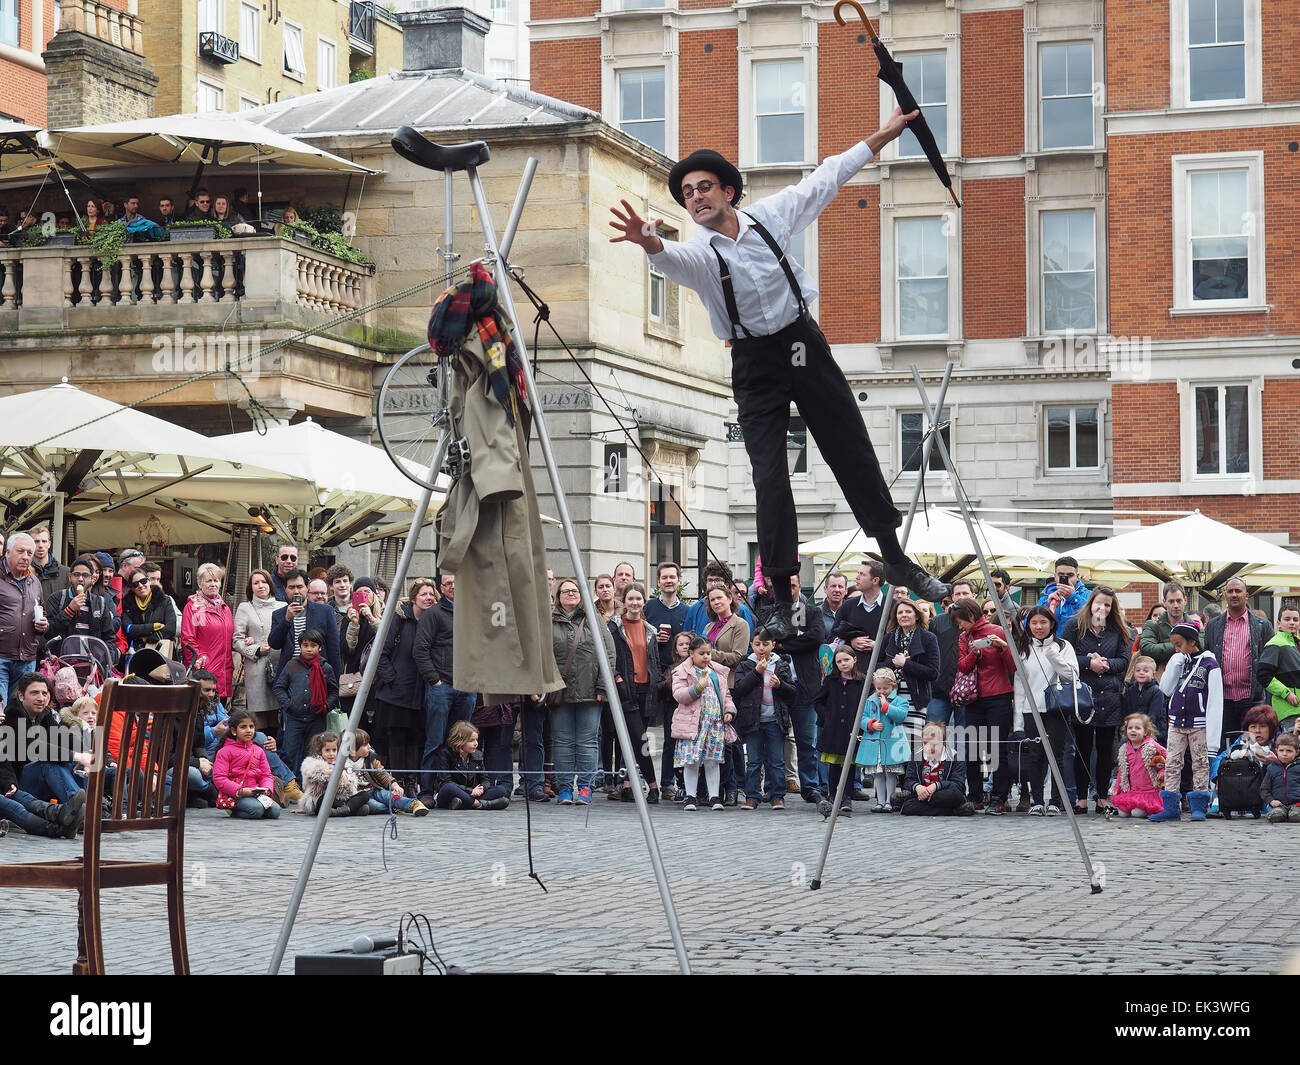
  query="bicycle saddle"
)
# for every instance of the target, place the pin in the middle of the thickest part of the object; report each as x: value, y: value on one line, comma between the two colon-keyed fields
x: 418, y: 149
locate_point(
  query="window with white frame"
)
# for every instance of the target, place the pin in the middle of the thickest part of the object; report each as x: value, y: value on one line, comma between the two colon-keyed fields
x: 1216, y: 50
x: 641, y: 5
x: 926, y: 74
x: 9, y: 23
x: 501, y: 10
x: 796, y: 446
x: 247, y: 103
x: 921, y: 249
x: 250, y: 32
x: 1065, y: 81
x: 295, y: 59
x: 1221, y: 414
x: 779, y: 96
x: 641, y: 107
x: 1069, y: 240
x: 501, y: 69
x: 664, y: 295
x: 211, y: 97
x: 911, y: 438
x: 1073, y: 440
x: 211, y: 16
x: 326, y: 64
x: 1219, y: 244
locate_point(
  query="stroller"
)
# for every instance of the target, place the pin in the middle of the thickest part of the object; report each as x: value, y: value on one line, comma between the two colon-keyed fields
x: 77, y: 666
x: 1238, y: 781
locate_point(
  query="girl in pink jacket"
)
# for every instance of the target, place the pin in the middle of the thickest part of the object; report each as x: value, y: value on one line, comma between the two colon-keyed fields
x: 704, y: 709
x: 241, y: 772
x: 1141, y: 770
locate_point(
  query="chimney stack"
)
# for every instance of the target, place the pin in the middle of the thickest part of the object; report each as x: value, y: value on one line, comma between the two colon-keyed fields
x: 443, y: 38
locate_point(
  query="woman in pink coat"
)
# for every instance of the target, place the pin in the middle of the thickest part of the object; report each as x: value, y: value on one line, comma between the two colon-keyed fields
x: 207, y: 628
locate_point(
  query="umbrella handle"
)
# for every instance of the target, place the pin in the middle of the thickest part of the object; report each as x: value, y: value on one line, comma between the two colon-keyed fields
x: 861, y: 14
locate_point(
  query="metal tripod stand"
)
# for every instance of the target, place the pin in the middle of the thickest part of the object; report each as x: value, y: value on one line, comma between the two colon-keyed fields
x: 451, y: 160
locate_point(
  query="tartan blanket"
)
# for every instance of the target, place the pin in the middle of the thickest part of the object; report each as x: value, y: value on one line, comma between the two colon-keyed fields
x: 472, y: 305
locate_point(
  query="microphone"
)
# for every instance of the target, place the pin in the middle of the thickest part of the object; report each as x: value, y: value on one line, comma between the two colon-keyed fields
x: 370, y: 944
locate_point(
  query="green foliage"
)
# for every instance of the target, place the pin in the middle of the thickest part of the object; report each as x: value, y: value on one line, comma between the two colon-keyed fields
x: 361, y: 75
x: 332, y: 242
x: 107, y: 240
x: 324, y: 219
x: 222, y: 232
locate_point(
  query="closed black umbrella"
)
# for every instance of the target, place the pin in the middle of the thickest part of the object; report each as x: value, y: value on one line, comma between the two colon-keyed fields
x: 891, y: 73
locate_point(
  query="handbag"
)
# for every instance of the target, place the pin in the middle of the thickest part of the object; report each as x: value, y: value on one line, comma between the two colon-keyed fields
x: 965, y: 688
x: 1077, y: 700
x: 227, y: 802
x: 556, y: 698
x: 349, y: 685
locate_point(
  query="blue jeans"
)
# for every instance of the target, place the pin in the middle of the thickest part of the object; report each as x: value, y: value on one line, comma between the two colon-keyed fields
x: 273, y: 759
x: 294, y: 738
x: 451, y: 791
x: 15, y: 808
x: 48, y: 780
x: 575, y: 729
x: 250, y: 808
x: 533, y: 755
x: 803, y: 721
x: 10, y: 670
x: 381, y: 797
x: 765, y: 748
x: 945, y: 713
x: 443, y: 707
x: 197, y: 785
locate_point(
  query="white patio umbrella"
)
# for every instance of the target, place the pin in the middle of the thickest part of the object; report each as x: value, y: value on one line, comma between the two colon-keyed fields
x: 1196, y: 550
x: 18, y: 145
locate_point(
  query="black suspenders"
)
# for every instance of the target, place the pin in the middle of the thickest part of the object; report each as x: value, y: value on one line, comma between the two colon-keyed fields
x: 729, y: 294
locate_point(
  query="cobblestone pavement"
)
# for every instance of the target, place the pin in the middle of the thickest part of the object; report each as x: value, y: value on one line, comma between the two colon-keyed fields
x: 973, y: 895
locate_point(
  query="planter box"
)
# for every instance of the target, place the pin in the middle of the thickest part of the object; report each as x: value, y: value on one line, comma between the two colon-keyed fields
x: 193, y: 233
x: 302, y: 238
x: 62, y: 240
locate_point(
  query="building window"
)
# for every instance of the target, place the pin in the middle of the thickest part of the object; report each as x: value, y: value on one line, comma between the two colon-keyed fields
x: 1218, y: 232
x: 1065, y: 77
x: 326, y: 64
x: 1216, y: 50
x: 211, y: 98
x: 1073, y: 442
x: 922, y: 252
x: 796, y: 446
x: 9, y: 23
x: 295, y: 59
x: 250, y: 32
x: 642, y: 113
x: 664, y: 295
x: 501, y: 69
x: 641, y: 5
x: 911, y: 438
x: 502, y: 11
x: 926, y: 74
x: 248, y: 103
x: 778, y: 104
x: 211, y: 17
x: 1069, y: 270
x: 1222, y: 414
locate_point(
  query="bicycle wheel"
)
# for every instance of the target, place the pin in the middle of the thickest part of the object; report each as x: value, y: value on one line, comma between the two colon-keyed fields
x: 410, y: 415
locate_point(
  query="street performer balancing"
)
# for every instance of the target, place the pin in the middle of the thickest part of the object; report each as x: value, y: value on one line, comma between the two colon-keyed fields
x: 758, y: 299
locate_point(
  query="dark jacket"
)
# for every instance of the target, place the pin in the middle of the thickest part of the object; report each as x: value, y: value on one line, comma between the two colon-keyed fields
x: 320, y: 616
x: 1281, y: 782
x: 951, y: 778
x: 292, y: 690
x: 837, y: 705
x: 802, y: 648
x: 103, y: 618
x: 1150, y: 701
x: 449, y: 769
x: 1155, y: 640
x: 139, y: 623
x: 399, y: 680
x: 922, y: 662
x: 627, y: 665
x: 583, y: 681
x: 1107, y: 688
x: 1261, y: 631
x: 53, y: 575
x: 945, y: 630
x: 855, y: 619
x: 18, y: 636
x: 433, y: 643
x: 45, y: 732
x: 747, y: 694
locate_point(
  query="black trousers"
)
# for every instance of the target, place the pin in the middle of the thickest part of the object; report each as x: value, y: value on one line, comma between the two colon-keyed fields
x: 795, y: 366
x: 1233, y: 711
x: 1086, y: 739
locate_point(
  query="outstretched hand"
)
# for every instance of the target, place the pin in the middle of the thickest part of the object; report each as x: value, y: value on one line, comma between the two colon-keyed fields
x: 891, y: 130
x: 632, y: 227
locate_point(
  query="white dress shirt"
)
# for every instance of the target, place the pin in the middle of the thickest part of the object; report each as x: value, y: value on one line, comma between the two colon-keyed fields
x: 764, y: 300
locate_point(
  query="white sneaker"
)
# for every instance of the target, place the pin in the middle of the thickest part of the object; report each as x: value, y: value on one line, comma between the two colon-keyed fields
x: 1053, y: 811
x: 689, y: 806
x: 1037, y: 810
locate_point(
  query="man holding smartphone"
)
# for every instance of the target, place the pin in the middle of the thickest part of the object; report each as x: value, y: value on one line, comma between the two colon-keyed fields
x: 1066, y: 596
x: 289, y: 623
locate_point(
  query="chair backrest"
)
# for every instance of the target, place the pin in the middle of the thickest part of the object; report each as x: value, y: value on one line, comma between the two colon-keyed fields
x: 149, y: 729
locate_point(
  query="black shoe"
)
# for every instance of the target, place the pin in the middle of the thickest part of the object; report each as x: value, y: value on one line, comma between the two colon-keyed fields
x: 731, y: 798
x: 499, y: 803
x: 913, y: 577
x: 780, y: 623
x: 862, y: 796
x: 812, y: 795
x: 72, y: 815
x: 716, y: 802
x: 652, y: 796
x: 966, y: 809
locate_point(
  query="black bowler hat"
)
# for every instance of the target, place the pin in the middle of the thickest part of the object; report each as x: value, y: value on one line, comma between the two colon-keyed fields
x: 705, y: 159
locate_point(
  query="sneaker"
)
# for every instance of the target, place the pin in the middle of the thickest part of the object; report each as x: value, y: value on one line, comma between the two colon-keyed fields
x: 583, y: 798
x: 997, y: 807
x: 966, y: 809
x: 418, y: 809
x: 879, y: 808
x: 911, y: 575
x: 689, y: 805
x: 669, y: 793
x: 539, y: 796
x: 1023, y: 806
x: 565, y: 797
x: 716, y: 802
x: 1037, y: 810
x: 889, y: 808
x: 846, y: 809
x: 778, y: 804
x: 1053, y: 810
x: 977, y: 806
x: 750, y: 804
x: 652, y: 796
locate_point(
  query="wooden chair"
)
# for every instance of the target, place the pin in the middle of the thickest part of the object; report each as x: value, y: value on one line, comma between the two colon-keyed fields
x: 157, y: 728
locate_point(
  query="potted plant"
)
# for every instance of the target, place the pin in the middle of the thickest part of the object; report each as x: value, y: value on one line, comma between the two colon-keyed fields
x: 199, y: 230
x: 107, y: 240
x: 63, y: 238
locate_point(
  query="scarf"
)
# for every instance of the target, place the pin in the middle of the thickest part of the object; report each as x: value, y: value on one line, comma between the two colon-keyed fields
x: 201, y: 599
x: 472, y: 304
x: 716, y: 629
x: 319, y: 689
x: 903, y: 639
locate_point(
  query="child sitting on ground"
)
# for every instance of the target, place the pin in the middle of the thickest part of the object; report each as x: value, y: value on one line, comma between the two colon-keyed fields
x: 461, y: 782
x: 241, y: 772
x: 1142, y: 695
x: 317, y: 767
x: 1281, y: 788
x: 375, y: 782
x: 1194, y: 684
x: 82, y: 715
x: 935, y: 785
x: 884, y: 748
x: 1141, y: 770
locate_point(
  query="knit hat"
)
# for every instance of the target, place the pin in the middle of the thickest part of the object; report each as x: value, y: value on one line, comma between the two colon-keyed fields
x: 105, y: 560
x: 1188, y: 630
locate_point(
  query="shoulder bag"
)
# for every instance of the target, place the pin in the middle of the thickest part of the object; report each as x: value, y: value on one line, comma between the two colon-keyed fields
x: 1077, y: 699
x: 556, y: 698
